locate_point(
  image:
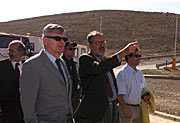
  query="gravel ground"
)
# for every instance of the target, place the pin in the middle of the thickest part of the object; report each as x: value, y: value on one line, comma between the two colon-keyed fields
x: 166, y: 91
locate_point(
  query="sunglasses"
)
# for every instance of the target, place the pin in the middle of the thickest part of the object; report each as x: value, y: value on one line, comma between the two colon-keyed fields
x: 99, y: 42
x: 72, y: 49
x: 136, y: 55
x: 58, y: 38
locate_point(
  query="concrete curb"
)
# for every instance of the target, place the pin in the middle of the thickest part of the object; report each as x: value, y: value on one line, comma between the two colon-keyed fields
x: 162, y: 77
x: 161, y: 114
x: 167, y: 116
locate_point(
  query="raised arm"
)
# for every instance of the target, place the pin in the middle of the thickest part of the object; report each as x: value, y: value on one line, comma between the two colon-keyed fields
x: 130, y: 48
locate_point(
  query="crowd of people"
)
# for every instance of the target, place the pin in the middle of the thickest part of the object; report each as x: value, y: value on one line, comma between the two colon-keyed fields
x: 51, y: 87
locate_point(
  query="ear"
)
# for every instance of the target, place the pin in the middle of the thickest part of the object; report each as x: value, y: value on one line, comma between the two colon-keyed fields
x: 22, y: 53
x: 89, y: 45
x: 128, y: 57
x: 44, y: 39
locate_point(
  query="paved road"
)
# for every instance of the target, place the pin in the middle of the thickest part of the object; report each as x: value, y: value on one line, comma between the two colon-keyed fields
x: 151, y: 64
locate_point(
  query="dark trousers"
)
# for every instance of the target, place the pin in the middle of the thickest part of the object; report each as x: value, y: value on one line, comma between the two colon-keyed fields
x: 112, y: 113
x: 84, y: 120
x: 8, y: 118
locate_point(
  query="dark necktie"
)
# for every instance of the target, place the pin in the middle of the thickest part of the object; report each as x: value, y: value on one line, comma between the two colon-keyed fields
x: 59, y: 68
x: 17, y: 70
x: 109, y: 88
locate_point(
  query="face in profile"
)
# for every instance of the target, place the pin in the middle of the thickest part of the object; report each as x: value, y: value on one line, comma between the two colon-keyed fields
x: 135, y: 58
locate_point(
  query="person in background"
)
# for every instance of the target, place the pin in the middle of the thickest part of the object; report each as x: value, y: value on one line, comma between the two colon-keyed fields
x: 99, y: 89
x: 131, y: 83
x: 68, y: 54
x: 45, y: 83
x: 10, y: 69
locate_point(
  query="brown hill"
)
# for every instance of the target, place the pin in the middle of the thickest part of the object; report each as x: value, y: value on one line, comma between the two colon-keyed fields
x: 155, y: 32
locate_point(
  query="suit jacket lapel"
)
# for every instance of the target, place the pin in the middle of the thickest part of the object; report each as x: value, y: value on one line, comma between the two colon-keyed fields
x: 50, y: 66
x: 114, y: 80
x: 91, y: 54
x: 69, y: 82
x: 12, y: 71
x: 113, y: 77
x: 111, y: 71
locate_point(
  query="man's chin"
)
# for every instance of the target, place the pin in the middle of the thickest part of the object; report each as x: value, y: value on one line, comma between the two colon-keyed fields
x: 60, y: 50
x: 12, y: 59
x: 102, y: 53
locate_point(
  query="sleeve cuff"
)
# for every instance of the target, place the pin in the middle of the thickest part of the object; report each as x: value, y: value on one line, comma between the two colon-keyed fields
x: 119, y: 59
x: 123, y: 93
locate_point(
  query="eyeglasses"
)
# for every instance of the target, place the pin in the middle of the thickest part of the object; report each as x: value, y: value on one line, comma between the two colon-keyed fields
x: 99, y: 42
x: 72, y: 49
x: 137, y: 55
x: 58, y: 38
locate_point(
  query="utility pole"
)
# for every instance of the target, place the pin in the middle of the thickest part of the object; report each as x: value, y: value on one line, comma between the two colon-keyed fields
x: 100, y: 24
x: 176, y: 34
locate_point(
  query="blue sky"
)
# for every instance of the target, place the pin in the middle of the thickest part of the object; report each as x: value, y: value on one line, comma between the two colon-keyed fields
x: 20, y: 9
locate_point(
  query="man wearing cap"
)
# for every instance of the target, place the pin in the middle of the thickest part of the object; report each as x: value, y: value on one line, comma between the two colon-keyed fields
x: 68, y: 54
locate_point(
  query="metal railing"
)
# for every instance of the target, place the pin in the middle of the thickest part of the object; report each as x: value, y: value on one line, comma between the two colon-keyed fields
x: 161, y: 56
x: 155, y: 57
x: 165, y: 64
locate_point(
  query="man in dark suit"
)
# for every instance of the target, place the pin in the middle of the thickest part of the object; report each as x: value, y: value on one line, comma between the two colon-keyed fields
x: 98, y: 83
x: 9, y: 84
x: 45, y: 83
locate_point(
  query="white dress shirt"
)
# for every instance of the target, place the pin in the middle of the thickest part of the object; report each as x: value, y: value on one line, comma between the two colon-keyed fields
x: 19, y: 66
x: 130, y: 83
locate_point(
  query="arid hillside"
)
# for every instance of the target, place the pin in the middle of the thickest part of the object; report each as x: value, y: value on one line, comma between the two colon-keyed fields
x: 155, y: 32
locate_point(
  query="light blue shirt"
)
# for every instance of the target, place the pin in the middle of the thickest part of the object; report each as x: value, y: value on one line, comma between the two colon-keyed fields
x: 53, y: 59
x: 130, y: 83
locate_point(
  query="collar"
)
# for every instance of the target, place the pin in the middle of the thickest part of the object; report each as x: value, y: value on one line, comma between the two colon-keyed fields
x: 97, y: 58
x: 51, y: 57
x: 63, y: 56
x: 14, y: 63
x: 130, y: 68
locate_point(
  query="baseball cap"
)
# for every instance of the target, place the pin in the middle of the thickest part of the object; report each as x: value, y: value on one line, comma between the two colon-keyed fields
x: 70, y: 43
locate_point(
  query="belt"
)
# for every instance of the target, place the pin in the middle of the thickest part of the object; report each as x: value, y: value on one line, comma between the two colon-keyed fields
x: 133, y: 104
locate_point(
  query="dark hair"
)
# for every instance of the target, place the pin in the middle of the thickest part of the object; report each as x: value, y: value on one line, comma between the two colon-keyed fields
x: 92, y: 34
